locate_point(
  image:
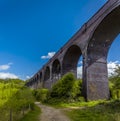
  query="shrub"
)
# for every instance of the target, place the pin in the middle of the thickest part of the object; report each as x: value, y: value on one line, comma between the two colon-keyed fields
x: 114, y: 84
x: 63, y: 87
x: 76, y: 89
x: 41, y: 94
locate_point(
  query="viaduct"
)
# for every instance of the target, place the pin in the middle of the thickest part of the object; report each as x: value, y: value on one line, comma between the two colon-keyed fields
x: 92, y: 42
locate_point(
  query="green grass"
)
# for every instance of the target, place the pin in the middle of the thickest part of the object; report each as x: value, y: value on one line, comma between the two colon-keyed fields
x: 33, y: 115
x: 56, y: 103
x: 107, y: 111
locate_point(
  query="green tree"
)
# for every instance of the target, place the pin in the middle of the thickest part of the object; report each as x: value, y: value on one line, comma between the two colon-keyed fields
x: 63, y: 87
x: 76, y: 89
x: 115, y: 83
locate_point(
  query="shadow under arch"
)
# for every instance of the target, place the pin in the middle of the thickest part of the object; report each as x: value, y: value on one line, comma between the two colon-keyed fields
x: 56, y: 70
x: 70, y: 60
x: 97, y: 52
x: 47, y: 73
x: 37, y: 80
x: 41, y: 75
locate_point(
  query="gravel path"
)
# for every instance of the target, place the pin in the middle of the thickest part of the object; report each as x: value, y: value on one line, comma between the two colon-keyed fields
x: 51, y: 114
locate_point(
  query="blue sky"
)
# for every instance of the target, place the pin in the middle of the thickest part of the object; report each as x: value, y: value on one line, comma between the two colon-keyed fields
x: 32, y: 29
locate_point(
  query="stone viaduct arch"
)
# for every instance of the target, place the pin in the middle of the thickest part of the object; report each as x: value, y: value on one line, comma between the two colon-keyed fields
x: 92, y: 42
x: 70, y: 60
x: 47, y: 74
x: 56, y: 70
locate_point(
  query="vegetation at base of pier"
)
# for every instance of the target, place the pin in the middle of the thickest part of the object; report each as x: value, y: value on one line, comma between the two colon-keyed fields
x: 15, y: 99
x: 67, y: 89
x: 114, y: 84
x: 67, y: 93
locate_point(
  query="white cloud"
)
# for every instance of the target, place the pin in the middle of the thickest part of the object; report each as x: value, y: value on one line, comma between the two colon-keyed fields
x: 7, y: 75
x: 28, y: 77
x: 111, y: 68
x: 5, y: 66
x: 79, y: 72
x: 50, y: 55
x: 80, y: 63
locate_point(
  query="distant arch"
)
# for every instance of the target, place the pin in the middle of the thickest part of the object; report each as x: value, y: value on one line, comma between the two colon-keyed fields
x: 40, y: 76
x: 47, y: 73
x: 37, y: 78
x: 56, y: 69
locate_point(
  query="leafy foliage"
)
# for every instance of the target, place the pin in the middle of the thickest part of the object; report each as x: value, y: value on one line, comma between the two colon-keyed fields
x: 41, y: 94
x: 76, y: 89
x: 63, y: 87
x: 114, y: 84
x: 64, y: 90
x: 67, y: 89
x: 15, y: 99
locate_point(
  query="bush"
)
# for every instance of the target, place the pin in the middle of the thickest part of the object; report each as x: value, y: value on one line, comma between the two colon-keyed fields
x: 114, y: 84
x: 63, y: 87
x: 76, y: 89
x: 41, y: 94
x: 67, y: 89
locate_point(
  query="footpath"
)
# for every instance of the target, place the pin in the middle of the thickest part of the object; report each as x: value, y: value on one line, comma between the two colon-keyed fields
x: 51, y: 114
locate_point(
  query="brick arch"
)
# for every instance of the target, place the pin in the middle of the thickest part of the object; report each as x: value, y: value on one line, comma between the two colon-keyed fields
x: 47, y: 73
x: 41, y: 75
x: 102, y: 17
x: 104, y: 35
x: 37, y: 80
x: 37, y: 77
x: 56, y: 70
x: 70, y: 59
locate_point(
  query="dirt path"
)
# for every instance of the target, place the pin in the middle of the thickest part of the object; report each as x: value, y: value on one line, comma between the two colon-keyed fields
x: 51, y: 114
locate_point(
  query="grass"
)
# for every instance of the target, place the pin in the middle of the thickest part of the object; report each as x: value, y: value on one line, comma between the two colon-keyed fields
x: 56, y: 103
x: 107, y: 111
x: 100, y: 110
x: 33, y: 115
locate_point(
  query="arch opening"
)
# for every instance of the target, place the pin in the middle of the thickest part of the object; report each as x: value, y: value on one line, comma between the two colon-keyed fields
x: 113, y: 58
x: 40, y: 76
x: 47, y: 74
x: 104, y: 36
x: 56, y: 70
x: 37, y: 80
x: 70, y: 60
x: 80, y: 68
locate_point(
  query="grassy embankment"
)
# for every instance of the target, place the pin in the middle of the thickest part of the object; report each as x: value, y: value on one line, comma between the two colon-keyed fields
x: 67, y: 93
